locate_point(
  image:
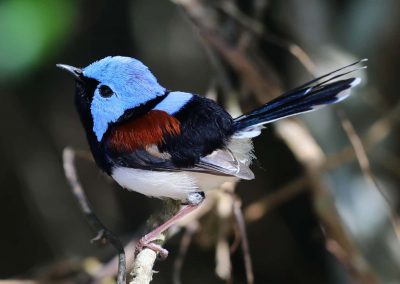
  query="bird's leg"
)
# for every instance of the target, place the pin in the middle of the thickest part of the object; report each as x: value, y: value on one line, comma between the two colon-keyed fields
x: 193, y: 201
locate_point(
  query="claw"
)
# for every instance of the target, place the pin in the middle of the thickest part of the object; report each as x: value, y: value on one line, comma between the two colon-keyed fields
x: 144, y: 243
x: 147, y: 240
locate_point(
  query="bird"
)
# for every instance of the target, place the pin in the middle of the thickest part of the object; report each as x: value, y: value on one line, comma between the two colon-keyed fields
x: 179, y: 145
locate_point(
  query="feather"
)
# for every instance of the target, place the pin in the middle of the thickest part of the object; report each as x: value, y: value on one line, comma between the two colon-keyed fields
x: 305, y: 98
x: 225, y: 162
x: 142, y: 131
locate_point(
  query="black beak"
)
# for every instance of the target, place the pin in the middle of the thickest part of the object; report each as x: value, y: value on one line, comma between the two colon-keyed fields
x: 78, y: 73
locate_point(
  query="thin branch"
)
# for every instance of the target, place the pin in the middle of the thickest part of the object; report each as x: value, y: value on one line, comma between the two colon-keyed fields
x: 256, y: 81
x: 342, y: 255
x: 183, y: 248
x: 237, y: 212
x: 110, y: 268
x: 363, y: 161
x: 359, y: 151
x: 142, y: 271
x: 103, y: 234
x: 237, y: 238
x: 224, y: 207
x: 262, y: 206
x: 258, y: 29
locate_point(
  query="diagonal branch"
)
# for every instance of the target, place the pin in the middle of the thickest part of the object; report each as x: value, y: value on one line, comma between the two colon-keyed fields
x: 103, y: 234
x: 363, y: 161
x: 237, y: 212
x: 183, y: 248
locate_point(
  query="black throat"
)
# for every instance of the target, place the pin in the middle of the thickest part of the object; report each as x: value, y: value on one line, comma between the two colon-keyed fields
x: 83, y: 99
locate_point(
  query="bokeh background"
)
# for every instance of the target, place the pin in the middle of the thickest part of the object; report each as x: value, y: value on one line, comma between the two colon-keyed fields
x: 340, y: 228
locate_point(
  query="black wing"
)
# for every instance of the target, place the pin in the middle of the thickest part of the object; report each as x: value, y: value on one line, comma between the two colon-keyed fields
x: 205, y: 130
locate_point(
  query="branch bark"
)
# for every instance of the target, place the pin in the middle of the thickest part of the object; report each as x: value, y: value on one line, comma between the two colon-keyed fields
x: 103, y: 234
x: 142, y: 270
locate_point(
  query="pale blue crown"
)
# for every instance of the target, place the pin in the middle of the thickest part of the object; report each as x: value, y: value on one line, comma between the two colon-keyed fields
x: 132, y: 83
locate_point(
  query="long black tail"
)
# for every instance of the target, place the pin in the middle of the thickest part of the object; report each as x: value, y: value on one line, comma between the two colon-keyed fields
x: 307, y: 97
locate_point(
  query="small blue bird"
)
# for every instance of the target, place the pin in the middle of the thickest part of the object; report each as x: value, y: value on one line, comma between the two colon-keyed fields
x: 178, y: 145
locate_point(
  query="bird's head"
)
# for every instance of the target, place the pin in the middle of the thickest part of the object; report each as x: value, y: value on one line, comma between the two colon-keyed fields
x: 111, y: 88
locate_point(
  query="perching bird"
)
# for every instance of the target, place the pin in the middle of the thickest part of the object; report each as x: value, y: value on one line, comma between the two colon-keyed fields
x: 178, y: 145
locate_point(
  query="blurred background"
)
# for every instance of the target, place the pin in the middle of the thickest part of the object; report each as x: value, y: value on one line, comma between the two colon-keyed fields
x: 324, y: 206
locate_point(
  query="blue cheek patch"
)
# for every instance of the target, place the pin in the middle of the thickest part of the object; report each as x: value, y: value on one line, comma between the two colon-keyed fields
x: 105, y: 111
x: 132, y: 83
x: 174, y: 102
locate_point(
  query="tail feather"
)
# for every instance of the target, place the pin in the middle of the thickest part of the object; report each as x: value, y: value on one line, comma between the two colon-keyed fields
x: 307, y: 97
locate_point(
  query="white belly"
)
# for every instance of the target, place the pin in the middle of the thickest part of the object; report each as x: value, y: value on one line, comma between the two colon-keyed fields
x: 159, y: 184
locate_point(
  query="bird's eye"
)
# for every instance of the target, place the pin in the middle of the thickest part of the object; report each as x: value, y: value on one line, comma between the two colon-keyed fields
x: 105, y: 91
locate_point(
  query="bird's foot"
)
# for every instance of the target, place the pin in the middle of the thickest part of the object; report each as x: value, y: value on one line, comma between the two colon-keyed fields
x: 149, y: 243
x: 194, y: 200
